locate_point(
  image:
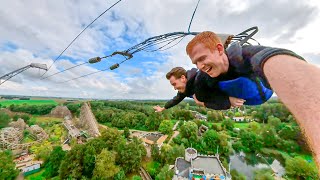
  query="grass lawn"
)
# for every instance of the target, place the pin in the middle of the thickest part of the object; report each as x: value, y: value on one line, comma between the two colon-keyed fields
x: 130, y: 176
x: 36, y: 176
x: 241, y: 125
x: 44, y: 119
x: 307, y: 157
x: 173, y: 122
x: 211, y: 123
x: 236, y: 125
x: 286, y: 155
x: 109, y: 124
x: 27, y: 140
x: 142, y: 128
x: 44, y: 122
x: 153, y: 167
x: 29, y: 102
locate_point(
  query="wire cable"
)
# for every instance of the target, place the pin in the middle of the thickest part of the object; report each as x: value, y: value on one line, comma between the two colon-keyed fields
x: 193, y: 16
x: 64, y: 70
x: 79, y: 35
x: 128, y: 54
x: 161, y: 39
x: 84, y: 75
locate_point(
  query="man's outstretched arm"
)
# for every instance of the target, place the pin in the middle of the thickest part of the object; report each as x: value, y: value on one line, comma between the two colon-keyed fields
x: 297, y: 84
x: 158, y: 108
x: 174, y: 101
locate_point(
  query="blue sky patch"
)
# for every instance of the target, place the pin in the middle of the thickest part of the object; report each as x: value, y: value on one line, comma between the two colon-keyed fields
x: 8, y: 46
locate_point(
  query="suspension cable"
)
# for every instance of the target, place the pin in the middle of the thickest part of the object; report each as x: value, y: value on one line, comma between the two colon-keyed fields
x: 193, y: 16
x: 79, y: 35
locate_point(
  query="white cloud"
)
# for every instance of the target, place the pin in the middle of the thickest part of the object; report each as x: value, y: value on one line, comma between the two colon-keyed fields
x: 42, y: 29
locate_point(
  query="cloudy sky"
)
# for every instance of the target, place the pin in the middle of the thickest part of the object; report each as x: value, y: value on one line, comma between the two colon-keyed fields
x: 37, y: 31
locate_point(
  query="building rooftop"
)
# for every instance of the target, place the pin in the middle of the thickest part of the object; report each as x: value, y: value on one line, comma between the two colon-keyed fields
x: 210, y: 164
x: 191, y: 151
x: 162, y: 139
x: 182, y: 167
x: 195, y: 164
x: 153, y: 137
x: 147, y: 141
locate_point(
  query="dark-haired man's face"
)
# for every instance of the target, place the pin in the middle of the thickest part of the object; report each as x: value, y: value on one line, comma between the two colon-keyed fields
x: 179, y: 83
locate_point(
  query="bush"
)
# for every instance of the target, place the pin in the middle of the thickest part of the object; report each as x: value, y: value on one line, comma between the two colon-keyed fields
x: 136, y: 178
x: 32, y: 109
x: 263, y: 174
x: 153, y: 168
x: 299, y: 168
x: 236, y: 175
x: 4, y: 119
x: 237, y: 146
x: 289, y: 146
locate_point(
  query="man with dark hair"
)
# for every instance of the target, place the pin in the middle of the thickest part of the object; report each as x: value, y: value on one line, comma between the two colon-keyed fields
x: 191, y: 84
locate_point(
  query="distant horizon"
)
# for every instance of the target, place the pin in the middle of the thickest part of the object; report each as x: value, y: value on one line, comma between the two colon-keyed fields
x: 56, y: 97
x: 61, y: 97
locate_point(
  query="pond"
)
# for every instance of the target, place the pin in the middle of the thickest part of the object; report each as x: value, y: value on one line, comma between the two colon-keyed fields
x: 246, y: 164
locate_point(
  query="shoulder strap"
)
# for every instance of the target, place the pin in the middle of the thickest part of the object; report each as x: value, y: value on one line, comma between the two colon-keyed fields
x: 259, y: 86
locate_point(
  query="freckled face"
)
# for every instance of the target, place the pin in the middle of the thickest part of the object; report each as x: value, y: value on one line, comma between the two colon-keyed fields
x: 211, y: 62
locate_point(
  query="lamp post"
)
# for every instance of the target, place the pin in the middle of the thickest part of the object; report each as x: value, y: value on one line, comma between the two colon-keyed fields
x: 230, y: 165
x: 259, y: 155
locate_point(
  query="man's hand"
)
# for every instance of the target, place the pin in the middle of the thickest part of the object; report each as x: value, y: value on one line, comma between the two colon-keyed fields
x: 158, y: 108
x: 197, y: 101
x: 236, y: 102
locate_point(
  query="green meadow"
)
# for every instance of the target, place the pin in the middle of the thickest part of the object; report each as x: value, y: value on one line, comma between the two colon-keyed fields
x: 29, y: 102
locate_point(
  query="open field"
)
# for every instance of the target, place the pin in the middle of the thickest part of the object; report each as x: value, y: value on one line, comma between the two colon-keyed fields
x: 45, y: 119
x: 29, y: 102
x: 36, y: 176
x: 241, y: 125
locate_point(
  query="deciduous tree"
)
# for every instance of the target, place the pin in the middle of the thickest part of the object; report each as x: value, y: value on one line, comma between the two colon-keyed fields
x: 298, y: 168
x: 7, y: 166
x: 165, y: 173
x: 105, y: 167
x: 54, y: 161
x: 4, y: 119
x: 166, y: 127
x: 189, y: 130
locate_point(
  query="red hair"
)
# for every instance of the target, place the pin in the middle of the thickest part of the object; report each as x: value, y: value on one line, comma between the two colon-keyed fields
x: 207, y: 38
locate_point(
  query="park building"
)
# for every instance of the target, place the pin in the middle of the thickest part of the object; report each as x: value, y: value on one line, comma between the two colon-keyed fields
x: 195, y: 166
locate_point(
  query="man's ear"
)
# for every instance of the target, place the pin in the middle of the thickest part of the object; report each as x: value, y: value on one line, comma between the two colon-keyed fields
x: 183, y: 78
x: 220, y: 48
